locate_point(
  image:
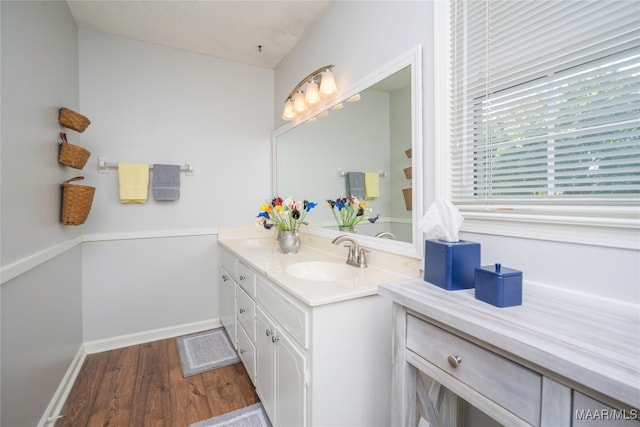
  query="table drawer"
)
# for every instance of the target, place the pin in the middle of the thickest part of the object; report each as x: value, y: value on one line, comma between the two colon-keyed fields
x: 246, y: 313
x: 512, y: 386
x: 246, y: 279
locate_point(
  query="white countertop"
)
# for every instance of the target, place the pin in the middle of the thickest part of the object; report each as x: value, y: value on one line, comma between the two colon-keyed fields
x: 597, y: 350
x: 264, y: 255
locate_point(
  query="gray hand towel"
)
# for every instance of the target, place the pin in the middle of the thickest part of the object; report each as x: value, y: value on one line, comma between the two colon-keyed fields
x: 166, y: 182
x: 355, y: 184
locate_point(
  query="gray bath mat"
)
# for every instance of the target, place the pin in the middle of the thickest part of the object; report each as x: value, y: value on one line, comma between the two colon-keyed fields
x: 205, y: 351
x: 251, y: 416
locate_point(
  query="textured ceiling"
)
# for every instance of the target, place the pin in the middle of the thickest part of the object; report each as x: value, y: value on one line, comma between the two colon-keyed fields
x: 230, y: 30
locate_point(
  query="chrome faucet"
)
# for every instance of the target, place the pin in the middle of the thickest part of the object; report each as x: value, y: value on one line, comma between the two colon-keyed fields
x: 386, y: 234
x: 356, y: 255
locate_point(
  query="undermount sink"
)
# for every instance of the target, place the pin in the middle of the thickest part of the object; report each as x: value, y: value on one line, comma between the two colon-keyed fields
x: 322, y: 271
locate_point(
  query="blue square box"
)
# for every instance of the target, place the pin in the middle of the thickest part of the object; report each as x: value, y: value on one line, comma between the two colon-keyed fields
x: 499, y: 286
x: 451, y: 265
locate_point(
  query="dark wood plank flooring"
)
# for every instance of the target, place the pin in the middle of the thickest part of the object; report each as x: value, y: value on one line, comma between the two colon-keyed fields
x: 142, y: 386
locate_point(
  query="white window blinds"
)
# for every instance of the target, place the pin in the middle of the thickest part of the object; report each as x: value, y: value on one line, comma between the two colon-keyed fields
x: 545, y: 103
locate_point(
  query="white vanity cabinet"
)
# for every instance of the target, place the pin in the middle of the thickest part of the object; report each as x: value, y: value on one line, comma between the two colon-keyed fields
x: 540, y: 364
x: 315, y: 365
x: 237, y: 307
x: 281, y: 374
x: 227, y: 294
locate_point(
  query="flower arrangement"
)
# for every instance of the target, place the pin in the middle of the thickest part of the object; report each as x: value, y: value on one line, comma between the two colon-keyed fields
x: 285, y: 215
x: 350, y: 211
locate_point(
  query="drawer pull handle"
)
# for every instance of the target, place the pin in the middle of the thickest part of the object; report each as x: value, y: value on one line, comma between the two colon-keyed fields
x: 454, y: 360
x: 242, y: 310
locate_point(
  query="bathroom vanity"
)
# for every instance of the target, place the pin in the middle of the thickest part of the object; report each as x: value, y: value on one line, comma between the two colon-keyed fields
x: 543, y: 363
x: 312, y: 332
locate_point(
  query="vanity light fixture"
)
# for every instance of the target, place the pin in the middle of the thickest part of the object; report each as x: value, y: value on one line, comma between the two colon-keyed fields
x: 319, y: 85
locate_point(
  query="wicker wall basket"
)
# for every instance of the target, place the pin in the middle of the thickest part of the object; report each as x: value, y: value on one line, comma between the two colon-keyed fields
x: 76, y: 202
x: 408, y: 199
x: 407, y: 172
x: 72, y: 120
x: 72, y: 155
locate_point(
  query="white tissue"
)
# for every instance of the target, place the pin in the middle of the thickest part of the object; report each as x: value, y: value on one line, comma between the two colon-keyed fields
x: 441, y: 221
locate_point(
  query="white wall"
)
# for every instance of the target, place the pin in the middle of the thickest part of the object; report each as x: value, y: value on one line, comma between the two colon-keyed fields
x: 41, y: 313
x: 153, y: 265
x: 360, y: 37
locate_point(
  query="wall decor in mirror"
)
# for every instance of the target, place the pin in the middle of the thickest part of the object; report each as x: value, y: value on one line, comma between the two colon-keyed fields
x: 367, y: 143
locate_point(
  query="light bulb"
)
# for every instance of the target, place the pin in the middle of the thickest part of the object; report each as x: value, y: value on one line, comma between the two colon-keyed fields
x: 354, y: 98
x: 288, y: 113
x: 298, y: 102
x: 328, y: 84
x: 312, y: 97
x: 337, y: 106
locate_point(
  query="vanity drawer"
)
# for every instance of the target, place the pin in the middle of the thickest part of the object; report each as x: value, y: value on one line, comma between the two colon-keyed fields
x: 246, y: 313
x: 246, y: 279
x: 294, y: 319
x: 512, y: 386
x: 247, y: 353
x: 227, y: 261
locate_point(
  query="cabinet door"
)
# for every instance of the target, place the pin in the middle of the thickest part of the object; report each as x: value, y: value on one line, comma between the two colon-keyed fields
x: 227, y: 292
x: 247, y: 352
x: 291, y: 396
x: 265, y: 362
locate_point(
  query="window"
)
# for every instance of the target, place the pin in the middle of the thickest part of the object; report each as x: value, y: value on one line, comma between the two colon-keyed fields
x: 545, y: 110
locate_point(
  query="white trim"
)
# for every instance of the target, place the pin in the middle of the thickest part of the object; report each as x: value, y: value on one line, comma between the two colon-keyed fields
x: 441, y: 57
x: 52, y: 413
x: 413, y: 58
x: 562, y: 229
x: 19, y: 267
x: 112, y: 343
x: 152, y: 234
x: 613, y: 227
x: 59, y: 398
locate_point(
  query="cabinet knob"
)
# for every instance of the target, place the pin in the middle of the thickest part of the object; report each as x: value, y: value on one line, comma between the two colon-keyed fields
x: 242, y: 351
x: 242, y: 310
x: 454, y: 360
x: 225, y: 277
x: 268, y: 332
x: 242, y: 277
x: 275, y: 339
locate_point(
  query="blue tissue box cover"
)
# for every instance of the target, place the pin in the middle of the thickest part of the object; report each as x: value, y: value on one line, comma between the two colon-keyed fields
x: 499, y: 286
x: 451, y: 265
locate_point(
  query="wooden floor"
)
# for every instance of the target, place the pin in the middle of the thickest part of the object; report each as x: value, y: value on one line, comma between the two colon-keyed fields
x: 142, y: 386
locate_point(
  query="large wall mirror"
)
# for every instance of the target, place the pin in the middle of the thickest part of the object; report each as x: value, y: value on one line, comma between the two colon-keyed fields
x: 374, y: 128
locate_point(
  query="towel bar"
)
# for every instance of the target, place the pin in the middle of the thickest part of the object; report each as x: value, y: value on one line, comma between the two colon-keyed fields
x: 341, y: 174
x: 104, y: 166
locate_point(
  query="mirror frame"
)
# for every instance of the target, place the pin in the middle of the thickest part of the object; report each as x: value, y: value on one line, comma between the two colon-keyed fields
x: 411, y: 58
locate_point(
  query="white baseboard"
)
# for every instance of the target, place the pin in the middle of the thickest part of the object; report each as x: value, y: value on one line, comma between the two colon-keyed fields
x: 98, y: 346
x: 52, y: 413
x: 62, y: 392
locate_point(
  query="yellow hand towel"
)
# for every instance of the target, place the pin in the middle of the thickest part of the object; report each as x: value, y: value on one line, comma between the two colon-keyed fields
x: 371, y: 185
x: 134, y: 182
